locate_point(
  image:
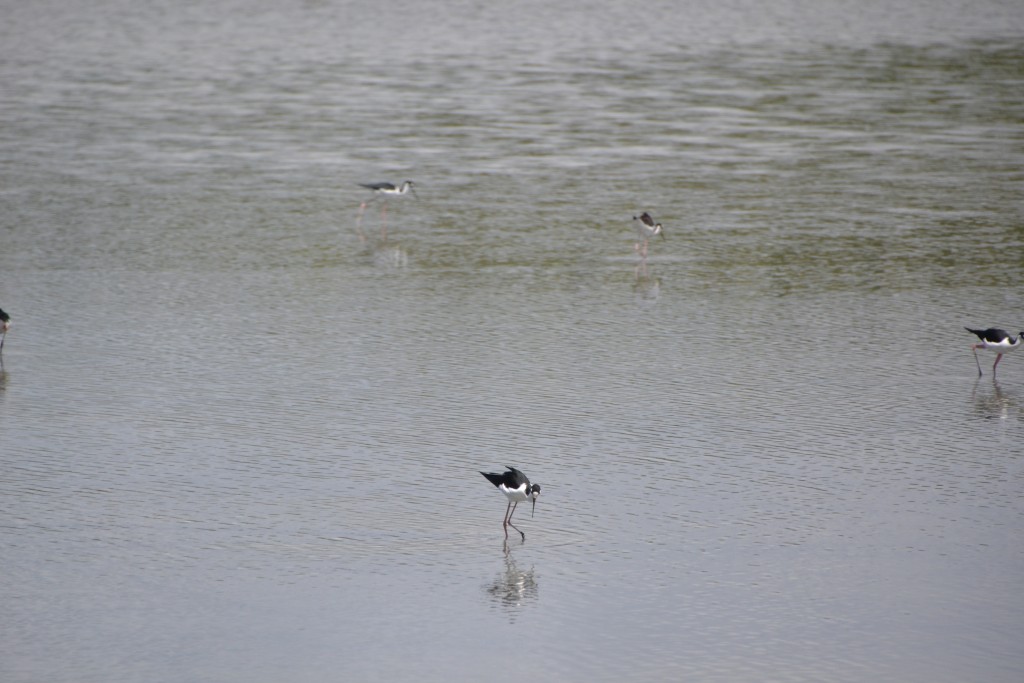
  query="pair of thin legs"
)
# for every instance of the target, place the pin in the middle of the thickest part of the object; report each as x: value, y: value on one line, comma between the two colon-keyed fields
x: 507, y: 522
x: 383, y: 220
x: 641, y: 248
x: 999, y: 357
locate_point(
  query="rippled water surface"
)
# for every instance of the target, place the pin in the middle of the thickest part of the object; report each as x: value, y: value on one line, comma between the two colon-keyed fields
x: 241, y: 429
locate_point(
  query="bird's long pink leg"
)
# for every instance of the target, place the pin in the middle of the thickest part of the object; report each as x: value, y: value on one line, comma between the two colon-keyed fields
x: 384, y: 221
x: 504, y: 521
x: 513, y: 525
x: 974, y: 348
x: 999, y: 357
x: 359, y: 222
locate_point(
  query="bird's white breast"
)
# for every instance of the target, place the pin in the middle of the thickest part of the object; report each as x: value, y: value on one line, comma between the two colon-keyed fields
x: 1003, y: 346
x: 515, y: 495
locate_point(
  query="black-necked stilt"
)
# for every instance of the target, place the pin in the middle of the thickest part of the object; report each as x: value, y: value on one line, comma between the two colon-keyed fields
x: 5, y: 324
x: 384, y: 190
x: 516, y: 488
x: 996, y: 340
x: 646, y: 228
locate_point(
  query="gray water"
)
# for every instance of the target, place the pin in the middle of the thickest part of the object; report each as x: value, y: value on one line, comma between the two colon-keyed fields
x: 239, y: 442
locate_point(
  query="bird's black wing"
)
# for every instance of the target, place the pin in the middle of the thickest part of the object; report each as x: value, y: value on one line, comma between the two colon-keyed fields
x: 646, y: 219
x: 514, y: 478
x: 991, y: 335
x: 494, y: 478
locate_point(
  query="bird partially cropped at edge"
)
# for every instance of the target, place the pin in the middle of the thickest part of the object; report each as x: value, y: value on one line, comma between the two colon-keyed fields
x: 5, y: 324
x: 999, y: 341
x: 517, y: 489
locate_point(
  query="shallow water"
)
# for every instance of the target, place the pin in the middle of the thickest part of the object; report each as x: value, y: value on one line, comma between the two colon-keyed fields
x: 241, y: 443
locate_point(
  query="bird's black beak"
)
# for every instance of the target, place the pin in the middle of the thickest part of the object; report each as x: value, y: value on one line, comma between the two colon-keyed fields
x: 533, y: 510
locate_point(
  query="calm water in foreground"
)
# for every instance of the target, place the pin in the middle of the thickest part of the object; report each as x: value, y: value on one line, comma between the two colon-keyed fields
x: 240, y: 443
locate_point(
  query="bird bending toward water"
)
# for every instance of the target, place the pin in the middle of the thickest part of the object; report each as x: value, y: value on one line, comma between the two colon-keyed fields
x: 646, y: 228
x: 995, y: 340
x: 517, y: 489
x: 389, y: 188
x: 384, y: 190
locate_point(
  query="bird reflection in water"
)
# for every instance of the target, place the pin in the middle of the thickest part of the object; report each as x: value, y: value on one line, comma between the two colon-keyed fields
x: 513, y: 589
x: 646, y: 287
x: 389, y: 256
x: 997, y: 404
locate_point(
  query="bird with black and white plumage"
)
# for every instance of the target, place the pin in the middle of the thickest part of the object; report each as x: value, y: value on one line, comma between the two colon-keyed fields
x: 646, y: 228
x: 5, y: 324
x: 517, y: 489
x: 996, y: 340
x: 382, y: 190
x: 389, y: 188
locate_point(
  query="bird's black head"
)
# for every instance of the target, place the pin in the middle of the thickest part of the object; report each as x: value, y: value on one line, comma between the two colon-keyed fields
x: 533, y: 493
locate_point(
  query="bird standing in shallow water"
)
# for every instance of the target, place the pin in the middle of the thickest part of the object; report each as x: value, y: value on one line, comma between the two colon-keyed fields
x: 5, y: 324
x: 382, y: 190
x: 517, y: 489
x: 996, y: 340
x: 646, y: 228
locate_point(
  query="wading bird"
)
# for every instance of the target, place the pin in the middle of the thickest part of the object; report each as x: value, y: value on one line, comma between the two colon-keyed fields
x: 382, y: 191
x: 5, y: 324
x: 517, y: 489
x: 646, y: 228
x: 995, y: 340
